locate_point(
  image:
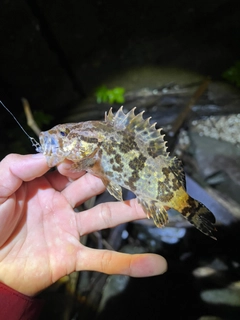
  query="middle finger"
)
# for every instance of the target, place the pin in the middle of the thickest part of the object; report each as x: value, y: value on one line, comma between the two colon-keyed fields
x: 83, y: 189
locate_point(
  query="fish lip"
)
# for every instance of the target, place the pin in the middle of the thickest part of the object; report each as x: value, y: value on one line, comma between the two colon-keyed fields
x: 49, y: 144
x: 51, y: 149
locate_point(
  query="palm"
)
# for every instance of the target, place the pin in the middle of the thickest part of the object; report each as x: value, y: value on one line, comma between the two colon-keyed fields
x: 46, y: 233
x: 40, y: 232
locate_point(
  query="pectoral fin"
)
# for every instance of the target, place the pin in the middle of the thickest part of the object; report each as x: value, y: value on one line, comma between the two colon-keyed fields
x: 115, y: 190
x: 154, y: 210
x: 82, y: 165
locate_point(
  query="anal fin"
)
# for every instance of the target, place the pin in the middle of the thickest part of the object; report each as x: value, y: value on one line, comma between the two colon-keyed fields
x: 154, y: 210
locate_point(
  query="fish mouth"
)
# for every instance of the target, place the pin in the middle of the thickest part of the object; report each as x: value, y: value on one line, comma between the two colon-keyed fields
x: 50, y: 148
x: 49, y: 144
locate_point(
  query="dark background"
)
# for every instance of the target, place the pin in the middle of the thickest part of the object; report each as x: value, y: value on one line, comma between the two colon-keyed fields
x: 55, y: 52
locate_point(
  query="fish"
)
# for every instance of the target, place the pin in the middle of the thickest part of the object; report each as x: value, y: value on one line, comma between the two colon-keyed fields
x: 125, y: 150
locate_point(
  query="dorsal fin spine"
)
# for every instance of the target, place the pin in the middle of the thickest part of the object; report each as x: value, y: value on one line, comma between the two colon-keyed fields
x: 141, y: 128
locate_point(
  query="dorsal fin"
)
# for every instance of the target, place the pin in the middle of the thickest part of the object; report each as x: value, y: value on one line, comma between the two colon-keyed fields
x: 141, y: 128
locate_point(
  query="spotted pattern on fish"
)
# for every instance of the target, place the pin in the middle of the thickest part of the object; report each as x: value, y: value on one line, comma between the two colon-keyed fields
x: 124, y: 150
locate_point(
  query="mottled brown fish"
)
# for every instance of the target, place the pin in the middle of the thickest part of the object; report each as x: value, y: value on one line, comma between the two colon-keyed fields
x: 126, y: 151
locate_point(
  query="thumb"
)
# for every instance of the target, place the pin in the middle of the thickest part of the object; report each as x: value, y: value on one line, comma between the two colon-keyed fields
x: 15, y: 168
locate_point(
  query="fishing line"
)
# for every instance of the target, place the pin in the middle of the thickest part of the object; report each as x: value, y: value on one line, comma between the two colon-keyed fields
x: 35, y: 144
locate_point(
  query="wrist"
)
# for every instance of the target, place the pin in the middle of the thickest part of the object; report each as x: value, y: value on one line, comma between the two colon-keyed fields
x: 15, y: 305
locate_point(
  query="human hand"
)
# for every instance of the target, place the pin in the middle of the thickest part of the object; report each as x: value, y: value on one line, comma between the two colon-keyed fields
x: 40, y: 232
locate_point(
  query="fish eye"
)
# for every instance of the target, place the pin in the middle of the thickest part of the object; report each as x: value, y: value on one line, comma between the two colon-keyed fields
x: 62, y: 133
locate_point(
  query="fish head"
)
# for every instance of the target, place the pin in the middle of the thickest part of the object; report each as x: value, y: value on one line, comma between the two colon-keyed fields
x: 70, y: 141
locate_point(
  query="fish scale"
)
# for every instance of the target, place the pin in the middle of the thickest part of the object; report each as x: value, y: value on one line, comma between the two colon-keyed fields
x: 126, y: 151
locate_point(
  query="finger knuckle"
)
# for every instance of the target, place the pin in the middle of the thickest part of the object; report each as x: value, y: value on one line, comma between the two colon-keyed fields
x: 105, y: 214
x: 106, y: 261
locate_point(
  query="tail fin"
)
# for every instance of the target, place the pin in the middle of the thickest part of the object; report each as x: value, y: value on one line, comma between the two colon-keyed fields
x: 200, y: 216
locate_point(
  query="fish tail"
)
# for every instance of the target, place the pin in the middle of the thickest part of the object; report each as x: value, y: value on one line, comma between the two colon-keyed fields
x: 200, y: 216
